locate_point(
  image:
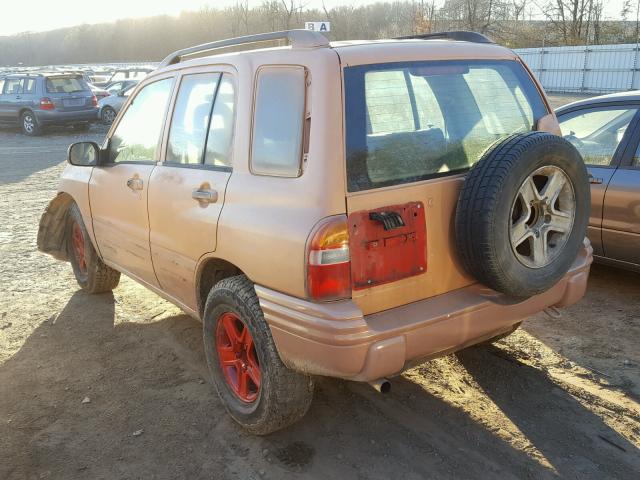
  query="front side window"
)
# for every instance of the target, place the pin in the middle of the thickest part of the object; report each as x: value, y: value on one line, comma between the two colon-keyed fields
x: 278, y: 121
x: 597, y: 132
x: 191, y: 118
x: 13, y: 86
x: 115, y: 88
x: 411, y: 121
x: 137, y: 135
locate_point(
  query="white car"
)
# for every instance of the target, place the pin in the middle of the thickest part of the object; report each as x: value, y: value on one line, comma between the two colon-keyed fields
x: 108, y: 107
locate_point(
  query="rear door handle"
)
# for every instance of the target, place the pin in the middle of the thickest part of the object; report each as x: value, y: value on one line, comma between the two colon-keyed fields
x: 205, y: 195
x: 135, y: 183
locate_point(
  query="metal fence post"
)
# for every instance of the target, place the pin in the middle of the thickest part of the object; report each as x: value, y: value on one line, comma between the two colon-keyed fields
x: 635, y: 66
x: 584, y: 68
x: 541, y: 66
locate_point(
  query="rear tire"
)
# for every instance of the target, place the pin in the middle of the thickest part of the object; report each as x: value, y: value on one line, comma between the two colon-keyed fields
x: 29, y: 124
x: 275, y: 396
x: 90, y: 271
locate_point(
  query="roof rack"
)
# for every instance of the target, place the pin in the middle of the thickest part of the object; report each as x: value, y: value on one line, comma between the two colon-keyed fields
x: 298, y: 38
x: 459, y: 35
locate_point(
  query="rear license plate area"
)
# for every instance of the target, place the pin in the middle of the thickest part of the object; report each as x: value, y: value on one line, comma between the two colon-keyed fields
x: 73, y: 102
x: 387, y: 244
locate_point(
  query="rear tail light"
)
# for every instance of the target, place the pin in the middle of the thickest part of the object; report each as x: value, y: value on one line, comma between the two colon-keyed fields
x: 94, y: 101
x: 46, y: 104
x: 328, y: 260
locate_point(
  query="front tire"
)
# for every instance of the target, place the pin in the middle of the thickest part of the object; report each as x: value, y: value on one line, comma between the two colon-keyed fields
x: 108, y: 115
x: 90, y: 271
x: 258, y: 391
x: 29, y: 124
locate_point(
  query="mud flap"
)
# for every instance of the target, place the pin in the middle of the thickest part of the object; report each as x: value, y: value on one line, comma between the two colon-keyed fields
x: 51, y: 232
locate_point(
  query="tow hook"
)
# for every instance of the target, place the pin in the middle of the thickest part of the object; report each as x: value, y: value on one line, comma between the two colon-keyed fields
x: 382, y: 385
x: 553, y: 312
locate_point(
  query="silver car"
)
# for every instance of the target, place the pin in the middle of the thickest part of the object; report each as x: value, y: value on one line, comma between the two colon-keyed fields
x: 109, y: 106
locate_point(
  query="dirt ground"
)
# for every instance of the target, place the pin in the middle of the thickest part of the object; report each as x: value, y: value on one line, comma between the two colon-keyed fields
x: 115, y: 386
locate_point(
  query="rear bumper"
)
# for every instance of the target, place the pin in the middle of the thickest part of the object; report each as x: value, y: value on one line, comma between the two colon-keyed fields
x: 51, y: 117
x: 335, y: 339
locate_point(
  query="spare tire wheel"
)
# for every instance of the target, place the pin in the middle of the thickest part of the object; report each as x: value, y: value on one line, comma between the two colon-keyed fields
x: 522, y: 213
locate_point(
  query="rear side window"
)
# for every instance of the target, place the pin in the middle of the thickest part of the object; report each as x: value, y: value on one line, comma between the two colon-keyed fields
x: 220, y: 136
x: 412, y: 121
x: 191, y: 118
x: 278, y: 121
x: 66, y: 85
x: 30, y: 85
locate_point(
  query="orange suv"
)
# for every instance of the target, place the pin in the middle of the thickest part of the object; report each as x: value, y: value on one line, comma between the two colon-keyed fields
x: 346, y: 209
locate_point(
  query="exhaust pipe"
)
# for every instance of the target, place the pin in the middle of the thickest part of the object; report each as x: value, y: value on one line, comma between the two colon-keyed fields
x: 382, y: 385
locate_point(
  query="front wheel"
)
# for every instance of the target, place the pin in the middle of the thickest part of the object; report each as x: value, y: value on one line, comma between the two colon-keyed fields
x: 108, y: 115
x: 90, y: 271
x: 258, y: 391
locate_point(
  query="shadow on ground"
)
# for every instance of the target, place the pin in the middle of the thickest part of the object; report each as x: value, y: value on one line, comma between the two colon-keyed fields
x: 153, y: 414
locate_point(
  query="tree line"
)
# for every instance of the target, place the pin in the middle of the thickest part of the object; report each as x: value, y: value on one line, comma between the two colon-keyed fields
x: 514, y: 23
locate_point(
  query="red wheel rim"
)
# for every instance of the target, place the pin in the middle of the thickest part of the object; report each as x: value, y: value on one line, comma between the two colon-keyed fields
x: 77, y: 242
x: 238, y: 359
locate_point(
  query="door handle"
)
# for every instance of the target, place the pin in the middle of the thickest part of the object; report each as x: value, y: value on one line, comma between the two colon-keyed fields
x: 135, y: 183
x: 595, y: 180
x: 205, y: 195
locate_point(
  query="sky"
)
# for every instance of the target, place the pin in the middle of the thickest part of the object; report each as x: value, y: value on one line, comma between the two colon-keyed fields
x: 44, y: 15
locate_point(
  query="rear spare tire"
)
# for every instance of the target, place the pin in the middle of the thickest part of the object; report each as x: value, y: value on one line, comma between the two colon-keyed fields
x: 522, y: 214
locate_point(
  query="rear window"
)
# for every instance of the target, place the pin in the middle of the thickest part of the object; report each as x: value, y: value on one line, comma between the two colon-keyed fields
x: 66, y: 85
x: 412, y: 121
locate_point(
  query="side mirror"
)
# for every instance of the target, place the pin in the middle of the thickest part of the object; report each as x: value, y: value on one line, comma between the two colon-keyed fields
x: 121, y: 93
x: 83, y: 154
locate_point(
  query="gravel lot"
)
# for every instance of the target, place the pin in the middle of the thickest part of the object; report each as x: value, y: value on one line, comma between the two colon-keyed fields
x: 115, y: 386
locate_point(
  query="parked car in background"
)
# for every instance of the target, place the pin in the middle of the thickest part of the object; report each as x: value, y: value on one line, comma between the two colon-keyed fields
x: 100, y: 93
x: 116, y: 87
x: 36, y: 100
x: 109, y: 107
x: 606, y: 131
x: 125, y: 74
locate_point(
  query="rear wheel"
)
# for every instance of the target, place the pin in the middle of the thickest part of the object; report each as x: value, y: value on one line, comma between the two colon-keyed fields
x: 108, y: 115
x: 29, y: 124
x: 258, y: 391
x: 90, y: 271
